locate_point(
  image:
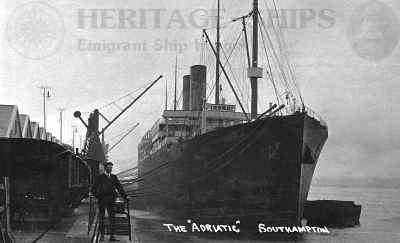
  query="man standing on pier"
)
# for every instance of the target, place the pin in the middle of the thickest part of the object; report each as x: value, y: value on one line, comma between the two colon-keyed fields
x: 106, y: 189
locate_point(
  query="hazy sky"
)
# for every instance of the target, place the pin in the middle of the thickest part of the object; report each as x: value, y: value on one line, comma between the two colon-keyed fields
x: 346, y: 57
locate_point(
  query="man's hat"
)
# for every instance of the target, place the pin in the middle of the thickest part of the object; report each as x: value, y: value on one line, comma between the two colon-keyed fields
x: 109, y: 163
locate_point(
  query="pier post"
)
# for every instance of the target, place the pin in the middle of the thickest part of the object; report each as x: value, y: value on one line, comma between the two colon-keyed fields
x: 5, y: 206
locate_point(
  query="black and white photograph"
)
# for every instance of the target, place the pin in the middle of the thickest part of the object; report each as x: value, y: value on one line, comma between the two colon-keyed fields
x: 202, y: 121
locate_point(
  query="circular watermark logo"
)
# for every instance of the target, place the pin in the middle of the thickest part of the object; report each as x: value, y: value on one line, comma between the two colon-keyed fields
x: 374, y: 30
x: 35, y: 30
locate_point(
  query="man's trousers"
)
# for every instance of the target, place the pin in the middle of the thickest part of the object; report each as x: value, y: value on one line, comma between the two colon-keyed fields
x: 108, y: 204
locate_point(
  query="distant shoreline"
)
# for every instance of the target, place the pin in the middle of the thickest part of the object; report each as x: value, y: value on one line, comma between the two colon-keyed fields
x: 367, y: 182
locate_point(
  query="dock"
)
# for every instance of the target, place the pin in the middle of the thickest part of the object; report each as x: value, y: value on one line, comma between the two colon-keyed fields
x: 148, y: 227
x: 71, y: 229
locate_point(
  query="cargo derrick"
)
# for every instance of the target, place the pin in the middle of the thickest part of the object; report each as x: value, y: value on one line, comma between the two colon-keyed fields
x: 95, y: 149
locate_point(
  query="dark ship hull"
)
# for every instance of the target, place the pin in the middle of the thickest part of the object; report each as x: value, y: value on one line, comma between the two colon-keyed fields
x: 254, y: 172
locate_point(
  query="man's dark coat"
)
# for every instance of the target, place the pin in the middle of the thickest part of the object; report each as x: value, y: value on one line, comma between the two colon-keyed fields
x: 105, y: 188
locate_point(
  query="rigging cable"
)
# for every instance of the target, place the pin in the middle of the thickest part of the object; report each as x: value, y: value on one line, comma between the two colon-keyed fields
x: 271, y: 76
x: 278, y: 63
x: 114, y: 102
x: 290, y: 66
x: 119, y: 141
x: 283, y: 47
x: 233, y: 74
x: 289, y: 83
x: 230, y: 55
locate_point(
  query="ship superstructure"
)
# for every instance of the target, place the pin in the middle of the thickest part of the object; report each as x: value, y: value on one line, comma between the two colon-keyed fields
x: 195, y: 118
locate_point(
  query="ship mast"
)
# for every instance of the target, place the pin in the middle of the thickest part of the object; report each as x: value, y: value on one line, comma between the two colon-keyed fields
x: 254, y: 72
x: 176, y: 74
x: 218, y: 47
x: 166, y: 94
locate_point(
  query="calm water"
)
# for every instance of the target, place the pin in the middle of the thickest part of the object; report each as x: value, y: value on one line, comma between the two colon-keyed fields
x: 380, y: 214
x: 379, y: 221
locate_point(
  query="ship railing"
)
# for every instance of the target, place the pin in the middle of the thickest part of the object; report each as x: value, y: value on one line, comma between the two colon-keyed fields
x: 314, y: 115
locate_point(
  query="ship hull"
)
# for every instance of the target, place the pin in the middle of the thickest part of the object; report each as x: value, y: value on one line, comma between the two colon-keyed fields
x: 258, y: 172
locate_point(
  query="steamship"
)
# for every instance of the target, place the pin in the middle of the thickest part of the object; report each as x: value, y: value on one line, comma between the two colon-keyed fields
x: 212, y: 163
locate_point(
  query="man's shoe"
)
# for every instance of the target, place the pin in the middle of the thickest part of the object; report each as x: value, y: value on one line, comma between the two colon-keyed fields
x: 102, y: 238
x: 113, y: 239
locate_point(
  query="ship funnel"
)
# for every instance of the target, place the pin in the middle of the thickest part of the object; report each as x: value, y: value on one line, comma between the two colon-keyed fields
x: 198, y: 77
x: 186, y: 93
